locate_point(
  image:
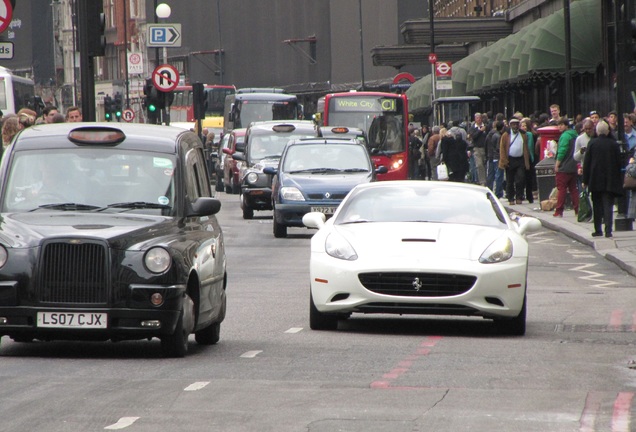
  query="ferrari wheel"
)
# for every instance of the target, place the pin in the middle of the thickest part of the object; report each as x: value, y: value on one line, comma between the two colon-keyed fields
x: 319, y: 320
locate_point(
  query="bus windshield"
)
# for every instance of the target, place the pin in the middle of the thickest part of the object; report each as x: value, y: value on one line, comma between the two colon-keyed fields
x: 262, y: 110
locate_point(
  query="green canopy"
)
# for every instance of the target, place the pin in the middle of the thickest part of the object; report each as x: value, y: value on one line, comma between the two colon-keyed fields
x: 535, y: 50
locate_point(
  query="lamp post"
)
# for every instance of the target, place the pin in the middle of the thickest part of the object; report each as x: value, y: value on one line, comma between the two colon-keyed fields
x: 361, y: 46
x: 163, y: 11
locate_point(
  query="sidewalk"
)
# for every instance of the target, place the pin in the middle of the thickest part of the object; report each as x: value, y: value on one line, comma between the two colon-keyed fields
x: 620, y: 249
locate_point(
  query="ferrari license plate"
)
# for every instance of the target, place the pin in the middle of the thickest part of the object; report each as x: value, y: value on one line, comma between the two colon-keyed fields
x: 325, y: 209
x: 81, y: 320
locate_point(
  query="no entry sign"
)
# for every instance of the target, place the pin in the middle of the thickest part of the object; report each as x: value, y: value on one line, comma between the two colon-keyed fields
x: 165, y: 78
x: 6, y: 13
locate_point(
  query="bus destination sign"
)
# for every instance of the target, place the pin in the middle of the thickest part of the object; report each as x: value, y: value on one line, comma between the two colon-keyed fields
x: 363, y: 104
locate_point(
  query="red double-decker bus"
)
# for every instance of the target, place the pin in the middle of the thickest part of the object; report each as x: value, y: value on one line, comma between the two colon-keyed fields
x: 182, y: 111
x: 385, y: 119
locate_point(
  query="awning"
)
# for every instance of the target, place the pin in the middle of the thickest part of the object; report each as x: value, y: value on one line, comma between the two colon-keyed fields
x: 536, y: 51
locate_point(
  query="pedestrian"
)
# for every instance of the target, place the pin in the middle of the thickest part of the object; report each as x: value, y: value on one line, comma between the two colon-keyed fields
x: 425, y: 162
x: 629, y: 124
x: 602, y: 176
x: 48, y: 113
x: 74, y: 115
x: 555, y: 114
x: 580, y: 145
x: 494, y: 174
x: 27, y: 117
x: 10, y: 127
x: 612, y: 121
x: 565, y: 168
x: 414, y: 154
x: 595, y: 117
x: 514, y: 158
x: 533, y: 152
x: 433, y: 144
x: 454, y: 153
x: 477, y: 133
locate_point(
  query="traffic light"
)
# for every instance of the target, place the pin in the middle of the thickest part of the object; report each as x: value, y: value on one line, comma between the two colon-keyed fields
x: 108, y: 108
x: 119, y: 106
x: 199, y: 101
x: 96, y: 25
x: 151, y: 102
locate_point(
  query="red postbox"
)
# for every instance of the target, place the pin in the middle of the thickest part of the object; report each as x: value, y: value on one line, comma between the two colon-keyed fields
x: 546, y: 134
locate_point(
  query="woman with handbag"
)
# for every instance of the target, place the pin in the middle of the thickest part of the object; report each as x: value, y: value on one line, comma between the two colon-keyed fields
x: 602, y: 175
x: 454, y: 153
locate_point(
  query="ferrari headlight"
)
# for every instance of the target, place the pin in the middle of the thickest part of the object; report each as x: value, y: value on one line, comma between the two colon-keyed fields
x: 500, y: 250
x: 252, y: 177
x: 291, y: 193
x: 157, y: 260
x: 3, y: 256
x: 338, y: 247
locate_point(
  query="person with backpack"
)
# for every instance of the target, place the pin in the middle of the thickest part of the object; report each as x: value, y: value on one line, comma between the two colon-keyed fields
x: 566, y: 168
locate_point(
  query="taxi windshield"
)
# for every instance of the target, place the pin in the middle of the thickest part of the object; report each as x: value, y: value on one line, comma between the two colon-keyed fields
x: 90, y: 179
x: 271, y: 145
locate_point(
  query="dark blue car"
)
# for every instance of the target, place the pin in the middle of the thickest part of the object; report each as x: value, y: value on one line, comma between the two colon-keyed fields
x: 314, y: 175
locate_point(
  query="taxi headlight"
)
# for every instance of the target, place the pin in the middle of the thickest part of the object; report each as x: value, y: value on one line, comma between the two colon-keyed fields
x: 252, y: 178
x: 157, y: 260
x: 3, y: 256
x: 291, y: 193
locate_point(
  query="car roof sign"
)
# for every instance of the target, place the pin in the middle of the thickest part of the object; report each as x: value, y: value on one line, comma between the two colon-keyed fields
x: 95, y: 135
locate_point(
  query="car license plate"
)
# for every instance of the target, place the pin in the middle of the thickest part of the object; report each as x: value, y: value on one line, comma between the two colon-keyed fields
x: 325, y: 210
x: 73, y: 320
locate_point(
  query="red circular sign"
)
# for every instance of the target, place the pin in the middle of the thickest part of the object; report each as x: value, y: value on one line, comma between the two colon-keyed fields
x: 128, y: 115
x: 165, y: 78
x: 432, y: 58
x: 443, y: 69
x: 6, y: 13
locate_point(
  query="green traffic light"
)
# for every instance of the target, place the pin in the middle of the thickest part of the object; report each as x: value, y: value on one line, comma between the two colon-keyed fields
x: 107, y: 116
x: 152, y: 108
x: 118, y: 114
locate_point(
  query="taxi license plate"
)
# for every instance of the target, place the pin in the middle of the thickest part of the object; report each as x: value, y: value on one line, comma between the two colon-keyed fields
x: 325, y: 210
x: 88, y: 320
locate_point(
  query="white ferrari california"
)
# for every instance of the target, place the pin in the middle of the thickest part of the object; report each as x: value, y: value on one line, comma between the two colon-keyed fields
x: 419, y: 247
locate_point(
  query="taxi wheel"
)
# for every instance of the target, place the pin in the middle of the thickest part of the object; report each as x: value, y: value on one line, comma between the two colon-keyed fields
x: 176, y: 344
x: 209, y: 335
x: 248, y: 213
x: 228, y: 189
x: 236, y: 188
x: 218, y: 186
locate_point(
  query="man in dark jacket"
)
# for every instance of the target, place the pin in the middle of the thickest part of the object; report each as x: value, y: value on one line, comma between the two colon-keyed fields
x: 477, y: 133
x: 602, y: 175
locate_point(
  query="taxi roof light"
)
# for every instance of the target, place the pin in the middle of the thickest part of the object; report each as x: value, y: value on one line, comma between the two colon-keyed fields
x: 340, y: 130
x: 284, y: 128
x: 96, y: 135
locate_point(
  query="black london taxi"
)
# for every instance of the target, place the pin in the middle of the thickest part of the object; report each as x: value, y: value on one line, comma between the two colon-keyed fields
x: 264, y: 143
x: 107, y: 232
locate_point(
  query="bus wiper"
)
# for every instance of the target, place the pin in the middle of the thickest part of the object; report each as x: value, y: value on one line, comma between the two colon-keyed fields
x: 66, y: 206
x: 136, y: 205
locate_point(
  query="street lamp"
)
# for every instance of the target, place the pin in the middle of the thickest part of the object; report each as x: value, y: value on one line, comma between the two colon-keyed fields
x: 163, y: 10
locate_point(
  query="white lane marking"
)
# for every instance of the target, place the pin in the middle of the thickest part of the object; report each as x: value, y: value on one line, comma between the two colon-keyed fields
x: 123, y: 422
x: 294, y: 330
x: 593, y: 276
x: 251, y: 354
x: 196, y: 386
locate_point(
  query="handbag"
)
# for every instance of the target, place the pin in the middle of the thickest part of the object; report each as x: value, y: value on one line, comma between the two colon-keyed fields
x: 629, y: 182
x: 585, y: 206
x: 442, y: 172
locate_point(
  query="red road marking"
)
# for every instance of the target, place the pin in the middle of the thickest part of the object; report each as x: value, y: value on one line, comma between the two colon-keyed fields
x: 404, y: 365
x: 622, y: 408
x: 616, y: 319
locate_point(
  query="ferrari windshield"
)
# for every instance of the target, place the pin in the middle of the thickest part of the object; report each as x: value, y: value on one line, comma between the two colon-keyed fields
x: 436, y: 204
